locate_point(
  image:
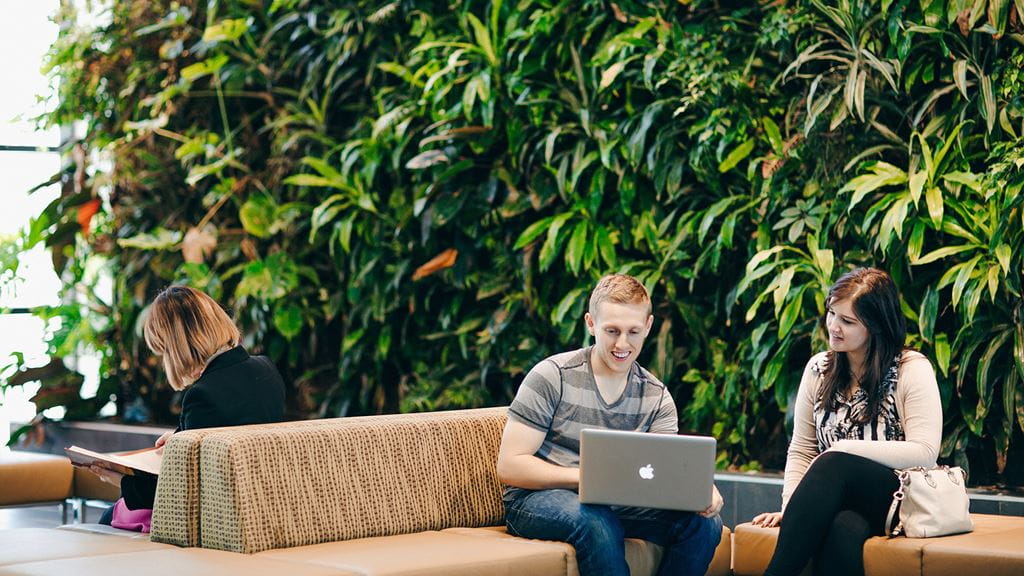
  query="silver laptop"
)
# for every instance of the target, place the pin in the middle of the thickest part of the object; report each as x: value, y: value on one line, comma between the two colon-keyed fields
x: 661, y: 471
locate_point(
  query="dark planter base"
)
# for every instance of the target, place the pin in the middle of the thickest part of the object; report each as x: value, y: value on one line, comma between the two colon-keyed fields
x: 747, y: 495
x: 96, y: 436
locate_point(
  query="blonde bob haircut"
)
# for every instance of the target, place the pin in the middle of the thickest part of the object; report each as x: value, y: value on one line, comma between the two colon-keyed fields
x: 619, y: 289
x: 187, y: 328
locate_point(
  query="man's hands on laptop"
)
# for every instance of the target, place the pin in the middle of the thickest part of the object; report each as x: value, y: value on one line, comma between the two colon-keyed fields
x: 716, y: 503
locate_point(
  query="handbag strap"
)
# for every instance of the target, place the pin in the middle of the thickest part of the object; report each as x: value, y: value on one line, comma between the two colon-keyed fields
x: 897, y: 497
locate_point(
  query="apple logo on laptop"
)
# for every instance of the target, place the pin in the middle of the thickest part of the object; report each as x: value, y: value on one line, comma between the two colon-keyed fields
x: 647, y: 472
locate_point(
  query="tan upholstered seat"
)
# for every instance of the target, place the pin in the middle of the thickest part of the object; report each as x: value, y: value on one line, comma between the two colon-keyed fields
x: 430, y: 552
x: 752, y: 548
x: 170, y: 562
x: 104, y: 530
x: 997, y: 543
x: 28, y: 478
x: 643, y: 557
x: 996, y: 547
x: 897, y: 556
x: 25, y: 545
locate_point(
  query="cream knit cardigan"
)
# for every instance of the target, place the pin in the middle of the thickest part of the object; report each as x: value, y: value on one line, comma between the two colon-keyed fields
x: 917, y: 403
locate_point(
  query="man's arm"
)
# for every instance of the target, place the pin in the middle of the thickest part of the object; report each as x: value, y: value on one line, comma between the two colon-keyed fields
x: 518, y: 466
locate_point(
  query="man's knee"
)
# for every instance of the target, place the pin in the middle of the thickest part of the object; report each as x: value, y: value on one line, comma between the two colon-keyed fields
x: 551, y: 517
x: 694, y: 529
x: 597, y: 525
x: 712, y: 529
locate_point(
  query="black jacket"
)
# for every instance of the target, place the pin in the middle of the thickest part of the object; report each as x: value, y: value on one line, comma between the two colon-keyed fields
x: 234, y: 389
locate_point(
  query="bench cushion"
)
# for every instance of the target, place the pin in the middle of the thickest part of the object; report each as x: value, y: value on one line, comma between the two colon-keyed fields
x: 28, y: 477
x: 104, y: 529
x: 997, y: 544
x: 170, y: 562
x: 752, y: 548
x: 893, y: 557
x: 436, y: 553
x: 23, y: 545
x: 996, y: 541
x: 643, y: 557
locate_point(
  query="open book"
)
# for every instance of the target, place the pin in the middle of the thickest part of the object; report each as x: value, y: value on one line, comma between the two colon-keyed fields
x: 146, y: 460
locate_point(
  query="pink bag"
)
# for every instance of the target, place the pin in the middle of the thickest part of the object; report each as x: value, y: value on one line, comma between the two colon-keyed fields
x: 136, y: 520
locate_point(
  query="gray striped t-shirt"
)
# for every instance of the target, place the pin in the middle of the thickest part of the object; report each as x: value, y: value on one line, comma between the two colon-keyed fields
x: 560, y: 397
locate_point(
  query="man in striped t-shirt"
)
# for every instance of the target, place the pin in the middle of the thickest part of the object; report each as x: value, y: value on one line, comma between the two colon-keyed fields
x: 601, y: 386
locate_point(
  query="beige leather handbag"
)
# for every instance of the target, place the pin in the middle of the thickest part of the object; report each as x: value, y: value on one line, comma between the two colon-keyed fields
x: 934, y: 503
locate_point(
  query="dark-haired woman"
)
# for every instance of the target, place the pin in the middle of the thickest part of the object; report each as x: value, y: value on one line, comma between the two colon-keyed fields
x: 865, y: 407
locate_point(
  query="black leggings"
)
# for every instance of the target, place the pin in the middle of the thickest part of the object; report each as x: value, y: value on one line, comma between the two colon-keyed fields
x: 108, y: 515
x: 841, y: 502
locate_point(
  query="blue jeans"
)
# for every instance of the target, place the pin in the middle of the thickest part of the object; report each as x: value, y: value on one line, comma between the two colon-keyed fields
x: 597, y: 532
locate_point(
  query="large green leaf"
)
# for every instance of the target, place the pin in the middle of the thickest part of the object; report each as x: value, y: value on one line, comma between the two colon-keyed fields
x: 928, y: 313
x: 736, y: 156
x: 549, y: 250
x: 288, y: 319
x: 882, y: 174
x: 963, y: 276
x: 257, y: 215
x: 204, y: 68
x: 158, y: 239
x: 941, y: 253
x: 226, y: 30
x: 574, y: 249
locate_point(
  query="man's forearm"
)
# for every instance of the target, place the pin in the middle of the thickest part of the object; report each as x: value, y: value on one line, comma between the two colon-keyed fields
x: 532, y: 473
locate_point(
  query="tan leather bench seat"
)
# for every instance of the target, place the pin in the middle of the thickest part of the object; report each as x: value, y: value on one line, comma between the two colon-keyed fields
x: 997, y: 545
x: 23, y: 545
x: 642, y: 556
x: 104, y: 530
x: 995, y: 553
x: 752, y: 548
x: 170, y: 561
x: 28, y: 478
x: 435, y: 553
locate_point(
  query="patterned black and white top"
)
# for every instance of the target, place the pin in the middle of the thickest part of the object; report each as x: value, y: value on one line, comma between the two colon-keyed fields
x: 841, y: 424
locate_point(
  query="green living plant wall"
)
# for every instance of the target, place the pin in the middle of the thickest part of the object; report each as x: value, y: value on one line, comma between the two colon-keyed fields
x: 406, y: 203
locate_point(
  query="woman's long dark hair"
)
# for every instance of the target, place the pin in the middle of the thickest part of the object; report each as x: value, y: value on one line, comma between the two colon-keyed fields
x: 876, y: 302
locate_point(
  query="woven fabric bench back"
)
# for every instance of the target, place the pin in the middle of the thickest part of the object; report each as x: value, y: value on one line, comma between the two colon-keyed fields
x: 302, y: 483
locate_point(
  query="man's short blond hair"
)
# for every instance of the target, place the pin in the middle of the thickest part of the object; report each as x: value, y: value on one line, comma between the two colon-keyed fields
x: 619, y: 289
x: 187, y: 328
